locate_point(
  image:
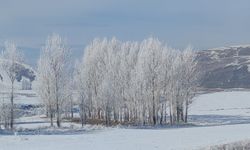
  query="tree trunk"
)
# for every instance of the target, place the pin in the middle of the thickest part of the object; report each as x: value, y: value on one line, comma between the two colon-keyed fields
x: 170, y: 114
x: 71, y: 109
x: 161, y: 119
x: 58, y: 121
x: 51, y: 119
x: 178, y: 113
x: 58, y: 115
x: 12, y: 106
x: 82, y: 112
x: 154, y: 115
x: 51, y: 115
x: 186, y: 111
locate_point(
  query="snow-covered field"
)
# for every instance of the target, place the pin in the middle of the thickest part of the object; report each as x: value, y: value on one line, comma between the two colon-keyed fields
x: 221, y: 117
x: 222, y: 103
x: 132, y: 139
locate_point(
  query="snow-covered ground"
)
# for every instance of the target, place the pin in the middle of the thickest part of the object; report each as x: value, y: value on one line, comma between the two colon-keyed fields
x: 221, y: 108
x: 222, y: 103
x: 130, y: 139
x: 221, y: 117
x: 22, y: 97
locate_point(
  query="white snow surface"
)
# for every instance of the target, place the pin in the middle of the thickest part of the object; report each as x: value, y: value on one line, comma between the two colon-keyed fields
x: 22, y: 97
x: 130, y: 139
x: 222, y: 103
x: 221, y: 117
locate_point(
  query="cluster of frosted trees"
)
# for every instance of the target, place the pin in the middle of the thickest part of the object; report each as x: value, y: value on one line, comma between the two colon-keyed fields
x: 139, y: 83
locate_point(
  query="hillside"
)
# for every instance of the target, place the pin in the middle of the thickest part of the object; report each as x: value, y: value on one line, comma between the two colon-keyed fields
x: 226, y: 67
x: 26, y: 75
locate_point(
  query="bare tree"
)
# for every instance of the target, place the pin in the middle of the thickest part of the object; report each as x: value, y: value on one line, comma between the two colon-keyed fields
x: 191, y: 76
x: 150, y: 63
x: 11, y: 60
x: 45, y: 84
x: 53, y: 67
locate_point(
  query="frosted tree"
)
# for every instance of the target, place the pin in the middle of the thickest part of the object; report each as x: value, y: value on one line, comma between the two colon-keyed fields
x: 80, y: 90
x: 149, y: 62
x: 182, y: 80
x: 53, y: 71
x: 91, y: 75
x: 68, y: 104
x: 128, y: 60
x: 169, y: 55
x: 191, y: 77
x: 11, y: 60
x: 45, y: 83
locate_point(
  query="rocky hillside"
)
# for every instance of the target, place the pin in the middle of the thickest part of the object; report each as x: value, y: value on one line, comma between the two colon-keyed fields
x: 226, y: 67
x: 26, y: 75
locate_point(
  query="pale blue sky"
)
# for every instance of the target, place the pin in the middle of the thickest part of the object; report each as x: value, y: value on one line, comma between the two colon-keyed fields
x: 201, y: 23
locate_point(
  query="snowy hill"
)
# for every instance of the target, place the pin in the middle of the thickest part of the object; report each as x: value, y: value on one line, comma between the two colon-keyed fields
x: 226, y: 67
x: 26, y: 75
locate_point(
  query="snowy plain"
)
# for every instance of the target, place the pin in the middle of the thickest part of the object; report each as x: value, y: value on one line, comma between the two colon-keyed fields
x: 217, y: 118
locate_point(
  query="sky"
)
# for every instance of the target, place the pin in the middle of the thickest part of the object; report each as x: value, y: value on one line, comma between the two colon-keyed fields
x: 201, y: 23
